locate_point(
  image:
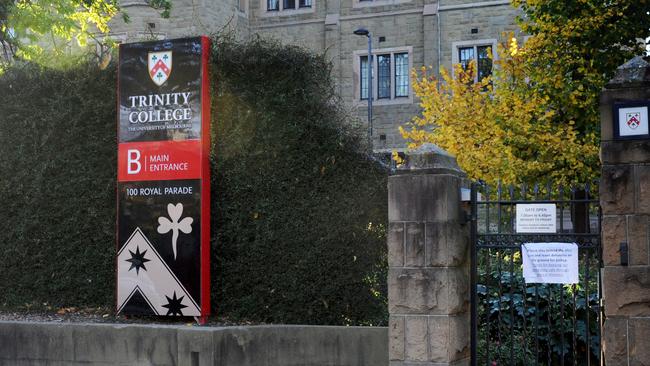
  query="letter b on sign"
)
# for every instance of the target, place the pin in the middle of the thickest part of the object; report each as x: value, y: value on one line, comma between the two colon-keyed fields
x: 133, y: 164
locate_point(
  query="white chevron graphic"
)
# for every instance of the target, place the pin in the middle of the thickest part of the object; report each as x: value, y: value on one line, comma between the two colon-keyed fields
x: 156, y: 283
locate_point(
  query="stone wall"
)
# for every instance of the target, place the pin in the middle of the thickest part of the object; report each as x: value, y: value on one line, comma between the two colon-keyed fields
x: 73, y: 344
x: 625, y: 202
x: 428, y: 261
x: 427, y: 28
x: 490, y: 23
x: 187, y: 18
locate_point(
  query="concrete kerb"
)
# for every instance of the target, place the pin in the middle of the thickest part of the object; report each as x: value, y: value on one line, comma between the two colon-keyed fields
x: 44, y: 343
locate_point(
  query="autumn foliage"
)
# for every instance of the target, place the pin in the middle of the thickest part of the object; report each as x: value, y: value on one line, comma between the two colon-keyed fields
x: 500, y: 128
x: 536, y: 118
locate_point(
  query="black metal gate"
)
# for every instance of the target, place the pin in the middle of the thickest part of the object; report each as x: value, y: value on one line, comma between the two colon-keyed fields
x: 514, y: 323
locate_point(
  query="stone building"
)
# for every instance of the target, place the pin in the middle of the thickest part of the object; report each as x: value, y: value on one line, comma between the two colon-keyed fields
x: 405, y: 34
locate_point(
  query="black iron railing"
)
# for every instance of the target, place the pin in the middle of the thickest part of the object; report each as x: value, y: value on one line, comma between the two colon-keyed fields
x: 515, y: 323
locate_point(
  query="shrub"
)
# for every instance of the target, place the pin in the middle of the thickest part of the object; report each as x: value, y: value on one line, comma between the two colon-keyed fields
x: 57, y: 185
x: 298, y: 211
x: 301, y: 212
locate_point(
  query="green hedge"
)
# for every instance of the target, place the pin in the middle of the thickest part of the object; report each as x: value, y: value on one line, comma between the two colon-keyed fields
x: 57, y: 186
x: 299, y: 211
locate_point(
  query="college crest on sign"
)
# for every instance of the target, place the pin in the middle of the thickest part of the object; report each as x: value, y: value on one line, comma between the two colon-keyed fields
x: 160, y: 66
x: 633, y: 119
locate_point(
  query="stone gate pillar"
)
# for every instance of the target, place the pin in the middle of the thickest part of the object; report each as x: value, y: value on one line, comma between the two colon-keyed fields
x: 625, y: 202
x: 428, y: 261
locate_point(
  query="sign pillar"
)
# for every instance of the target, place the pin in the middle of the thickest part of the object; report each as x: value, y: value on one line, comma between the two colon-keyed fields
x: 163, y: 191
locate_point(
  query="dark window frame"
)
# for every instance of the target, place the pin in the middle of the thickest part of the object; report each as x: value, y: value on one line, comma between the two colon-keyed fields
x: 482, y: 60
x: 268, y: 5
x: 284, y: 5
x: 387, y: 82
x: 363, y: 77
x: 384, y: 76
x: 465, y: 56
x: 407, y: 76
x: 479, y: 53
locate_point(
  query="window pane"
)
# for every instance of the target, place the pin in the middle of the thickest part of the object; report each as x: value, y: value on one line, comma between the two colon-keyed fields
x: 401, y: 75
x: 272, y: 5
x: 383, y: 76
x: 364, y: 77
x: 289, y: 4
x: 484, y: 62
x: 304, y: 3
x: 465, y: 55
x: 241, y: 5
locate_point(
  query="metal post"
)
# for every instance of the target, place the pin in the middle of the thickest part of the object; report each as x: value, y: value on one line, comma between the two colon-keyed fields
x: 474, y: 276
x: 365, y: 32
x: 370, y: 93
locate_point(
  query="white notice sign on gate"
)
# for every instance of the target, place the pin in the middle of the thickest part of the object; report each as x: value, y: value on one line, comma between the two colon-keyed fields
x: 550, y: 262
x: 536, y: 218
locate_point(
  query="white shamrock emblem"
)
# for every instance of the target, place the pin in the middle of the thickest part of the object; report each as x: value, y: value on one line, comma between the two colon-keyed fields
x: 175, y: 213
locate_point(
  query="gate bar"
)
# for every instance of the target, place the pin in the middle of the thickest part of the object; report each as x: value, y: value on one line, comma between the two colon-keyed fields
x: 473, y: 274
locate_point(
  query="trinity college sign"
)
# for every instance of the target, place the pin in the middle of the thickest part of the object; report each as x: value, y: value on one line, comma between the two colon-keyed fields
x: 163, y: 229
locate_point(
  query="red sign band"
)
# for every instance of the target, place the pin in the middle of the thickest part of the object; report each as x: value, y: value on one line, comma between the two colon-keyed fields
x: 159, y: 160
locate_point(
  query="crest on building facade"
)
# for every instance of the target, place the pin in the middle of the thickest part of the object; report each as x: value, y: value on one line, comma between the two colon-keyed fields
x: 160, y: 66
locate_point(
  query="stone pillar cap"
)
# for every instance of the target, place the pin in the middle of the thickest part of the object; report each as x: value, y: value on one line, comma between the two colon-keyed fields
x: 634, y: 73
x: 429, y: 158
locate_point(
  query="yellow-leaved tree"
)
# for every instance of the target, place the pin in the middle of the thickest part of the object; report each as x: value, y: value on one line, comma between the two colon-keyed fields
x: 537, y: 118
x: 44, y: 30
x: 500, y: 128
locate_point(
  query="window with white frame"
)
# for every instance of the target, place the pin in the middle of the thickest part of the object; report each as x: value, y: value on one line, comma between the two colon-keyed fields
x: 390, y: 75
x: 282, y: 5
x: 481, y: 52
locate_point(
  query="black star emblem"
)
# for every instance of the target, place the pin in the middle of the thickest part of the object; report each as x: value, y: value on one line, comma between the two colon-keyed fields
x: 174, y: 305
x: 138, y: 260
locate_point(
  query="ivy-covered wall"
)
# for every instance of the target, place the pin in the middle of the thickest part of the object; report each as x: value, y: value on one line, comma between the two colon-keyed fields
x: 299, y: 211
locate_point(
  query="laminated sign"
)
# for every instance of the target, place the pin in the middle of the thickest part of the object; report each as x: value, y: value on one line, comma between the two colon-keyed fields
x: 163, y: 191
x: 550, y: 262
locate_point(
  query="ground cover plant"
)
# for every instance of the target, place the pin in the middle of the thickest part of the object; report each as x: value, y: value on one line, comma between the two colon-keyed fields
x: 524, y: 323
x: 299, y: 210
